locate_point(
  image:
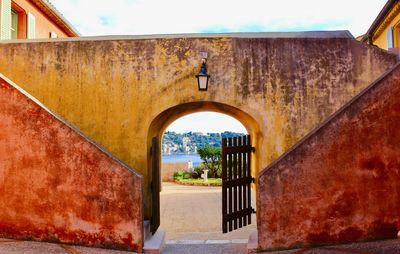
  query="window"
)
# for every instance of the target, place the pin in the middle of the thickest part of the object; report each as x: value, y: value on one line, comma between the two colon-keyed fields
x: 390, y: 38
x: 18, y: 22
x: 53, y: 35
x: 14, y: 25
x: 31, y: 26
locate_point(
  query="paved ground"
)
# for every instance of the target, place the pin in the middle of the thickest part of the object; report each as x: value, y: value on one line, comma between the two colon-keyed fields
x: 380, y: 247
x: 205, y: 247
x: 22, y: 247
x: 195, y: 213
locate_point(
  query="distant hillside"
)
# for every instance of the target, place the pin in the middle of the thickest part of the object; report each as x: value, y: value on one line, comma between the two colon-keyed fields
x: 184, y: 143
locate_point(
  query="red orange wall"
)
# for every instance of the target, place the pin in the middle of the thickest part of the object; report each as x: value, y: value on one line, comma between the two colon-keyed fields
x: 44, y: 25
x: 58, y: 186
x: 342, y: 183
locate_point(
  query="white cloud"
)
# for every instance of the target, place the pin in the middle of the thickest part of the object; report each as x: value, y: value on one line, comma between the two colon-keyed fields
x: 206, y: 122
x: 104, y: 17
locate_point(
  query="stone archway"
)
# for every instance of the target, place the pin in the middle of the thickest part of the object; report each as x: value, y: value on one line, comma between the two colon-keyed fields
x: 165, y: 118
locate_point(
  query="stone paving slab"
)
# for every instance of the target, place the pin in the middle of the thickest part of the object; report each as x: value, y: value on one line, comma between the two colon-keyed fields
x: 206, y: 247
x: 86, y: 250
x: 19, y: 247
x: 9, y: 246
x: 195, y: 213
x: 378, y: 247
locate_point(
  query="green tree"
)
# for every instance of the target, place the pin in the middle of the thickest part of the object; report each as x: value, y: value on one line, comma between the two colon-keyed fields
x: 211, y: 157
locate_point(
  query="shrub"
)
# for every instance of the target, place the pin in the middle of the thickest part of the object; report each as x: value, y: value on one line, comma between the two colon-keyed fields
x: 195, y: 175
x: 199, y: 169
x: 187, y: 175
x: 180, y: 174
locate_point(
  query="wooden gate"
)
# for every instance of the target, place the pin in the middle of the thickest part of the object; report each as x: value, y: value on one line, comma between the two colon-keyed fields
x: 155, y: 184
x: 236, y: 183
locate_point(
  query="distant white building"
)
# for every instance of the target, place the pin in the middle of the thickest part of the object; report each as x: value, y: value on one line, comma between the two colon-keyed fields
x: 185, y: 141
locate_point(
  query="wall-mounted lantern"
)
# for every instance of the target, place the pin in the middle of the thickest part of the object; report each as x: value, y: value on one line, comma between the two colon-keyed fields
x: 203, y: 77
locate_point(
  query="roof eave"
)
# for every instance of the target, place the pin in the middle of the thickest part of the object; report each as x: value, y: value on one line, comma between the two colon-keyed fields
x: 58, y: 18
x: 381, y: 16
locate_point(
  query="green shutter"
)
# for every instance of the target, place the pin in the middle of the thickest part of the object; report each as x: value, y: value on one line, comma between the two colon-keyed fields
x: 31, y: 26
x: 14, y: 25
x: 5, y: 19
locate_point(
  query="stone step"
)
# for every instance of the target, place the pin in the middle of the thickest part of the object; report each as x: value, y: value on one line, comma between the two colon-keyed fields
x: 146, y: 229
x: 154, y: 243
x: 252, y: 244
x: 230, y: 248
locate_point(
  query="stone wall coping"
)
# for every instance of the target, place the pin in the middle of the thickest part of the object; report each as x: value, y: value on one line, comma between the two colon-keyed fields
x: 343, y: 34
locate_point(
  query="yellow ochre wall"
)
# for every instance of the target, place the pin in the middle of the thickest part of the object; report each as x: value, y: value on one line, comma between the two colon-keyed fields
x: 392, y: 20
x: 118, y: 90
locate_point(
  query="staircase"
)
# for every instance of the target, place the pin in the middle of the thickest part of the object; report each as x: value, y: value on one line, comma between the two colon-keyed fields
x: 57, y: 185
x: 341, y: 183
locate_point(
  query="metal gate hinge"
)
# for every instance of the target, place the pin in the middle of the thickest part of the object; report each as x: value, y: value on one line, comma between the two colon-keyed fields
x: 253, y: 149
x: 253, y: 211
x: 253, y: 180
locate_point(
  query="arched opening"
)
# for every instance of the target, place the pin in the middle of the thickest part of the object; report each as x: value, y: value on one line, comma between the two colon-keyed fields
x: 164, y: 119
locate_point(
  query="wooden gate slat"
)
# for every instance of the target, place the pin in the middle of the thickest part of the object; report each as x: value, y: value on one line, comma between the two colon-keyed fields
x: 244, y: 193
x: 249, y: 174
x: 230, y: 188
x: 240, y: 177
x: 235, y: 193
x: 224, y: 193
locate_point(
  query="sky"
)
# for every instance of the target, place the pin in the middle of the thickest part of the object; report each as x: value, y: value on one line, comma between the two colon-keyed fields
x: 135, y: 17
x: 139, y: 17
x: 206, y: 122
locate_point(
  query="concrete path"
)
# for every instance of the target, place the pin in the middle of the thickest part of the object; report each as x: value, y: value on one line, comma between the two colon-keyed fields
x: 379, y: 247
x: 206, y: 247
x: 195, y: 213
x: 24, y: 247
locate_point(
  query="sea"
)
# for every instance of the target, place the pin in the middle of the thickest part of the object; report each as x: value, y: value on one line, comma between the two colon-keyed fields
x: 195, y: 158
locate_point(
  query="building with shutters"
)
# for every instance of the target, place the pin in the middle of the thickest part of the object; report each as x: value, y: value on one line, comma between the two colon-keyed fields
x: 32, y: 19
x: 385, y: 30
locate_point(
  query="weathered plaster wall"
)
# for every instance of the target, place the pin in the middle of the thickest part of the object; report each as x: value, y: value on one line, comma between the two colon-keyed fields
x: 341, y: 183
x: 169, y: 168
x: 114, y: 89
x: 57, y: 186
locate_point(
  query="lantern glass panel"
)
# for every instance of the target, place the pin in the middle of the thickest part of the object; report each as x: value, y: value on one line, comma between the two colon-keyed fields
x: 203, y: 82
